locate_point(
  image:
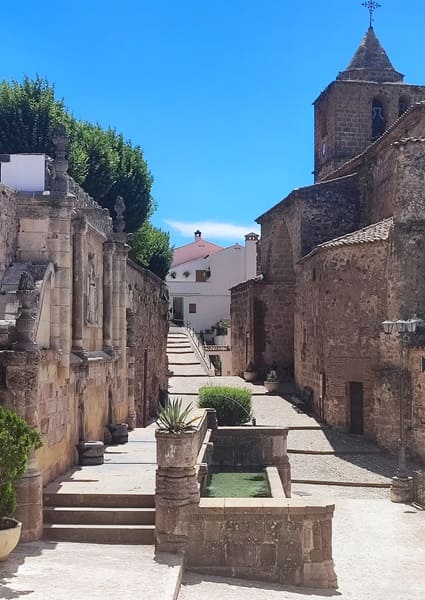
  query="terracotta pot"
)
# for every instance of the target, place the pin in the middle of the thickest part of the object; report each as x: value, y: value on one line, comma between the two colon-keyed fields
x: 271, y: 386
x: 9, y: 538
x: 250, y: 375
x: 178, y: 450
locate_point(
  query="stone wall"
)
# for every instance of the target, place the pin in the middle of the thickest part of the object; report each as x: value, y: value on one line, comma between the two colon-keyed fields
x: 341, y: 302
x: 147, y: 318
x: 285, y: 541
x: 262, y: 326
x: 8, y: 226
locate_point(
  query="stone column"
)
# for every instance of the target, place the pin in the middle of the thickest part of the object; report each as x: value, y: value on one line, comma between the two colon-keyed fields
x: 108, y: 250
x: 79, y: 260
x: 22, y: 371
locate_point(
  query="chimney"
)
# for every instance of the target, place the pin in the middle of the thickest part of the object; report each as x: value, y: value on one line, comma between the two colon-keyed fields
x: 198, y: 235
x: 251, y: 240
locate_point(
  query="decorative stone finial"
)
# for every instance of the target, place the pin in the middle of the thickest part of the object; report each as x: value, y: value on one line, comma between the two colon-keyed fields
x: 25, y: 323
x: 61, y: 143
x: 119, y: 208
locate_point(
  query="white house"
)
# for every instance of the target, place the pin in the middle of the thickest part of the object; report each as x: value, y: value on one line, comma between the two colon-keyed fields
x: 201, y: 276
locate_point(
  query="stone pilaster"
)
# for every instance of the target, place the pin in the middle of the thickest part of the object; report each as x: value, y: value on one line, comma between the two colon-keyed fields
x: 131, y: 360
x: 108, y: 250
x: 116, y: 285
x: 79, y: 260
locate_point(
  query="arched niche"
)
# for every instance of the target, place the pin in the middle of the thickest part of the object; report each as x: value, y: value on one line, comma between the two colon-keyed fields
x: 403, y: 104
x: 378, y: 117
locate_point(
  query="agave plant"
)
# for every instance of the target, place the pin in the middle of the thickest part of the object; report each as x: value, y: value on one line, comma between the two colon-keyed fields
x: 174, y: 418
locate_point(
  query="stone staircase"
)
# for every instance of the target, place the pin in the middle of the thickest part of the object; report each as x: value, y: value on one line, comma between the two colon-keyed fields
x: 100, y: 518
x: 183, y: 361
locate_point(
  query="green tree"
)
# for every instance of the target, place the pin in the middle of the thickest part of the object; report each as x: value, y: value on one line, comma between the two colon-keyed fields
x: 151, y: 248
x: 101, y: 161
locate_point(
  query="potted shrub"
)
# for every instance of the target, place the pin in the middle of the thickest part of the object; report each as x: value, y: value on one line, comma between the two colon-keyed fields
x: 250, y: 373
x: 221, y: 331
x: 176, y: 439
x: 272, y: 381
x: 17, y: 441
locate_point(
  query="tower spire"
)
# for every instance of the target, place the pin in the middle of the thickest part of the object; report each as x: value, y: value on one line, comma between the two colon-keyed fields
x: 371, y: 6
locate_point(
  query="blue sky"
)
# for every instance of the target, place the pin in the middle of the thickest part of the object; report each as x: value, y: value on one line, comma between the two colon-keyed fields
x: 218, y: 94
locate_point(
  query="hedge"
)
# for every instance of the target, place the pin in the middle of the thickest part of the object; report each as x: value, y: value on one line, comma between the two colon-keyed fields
x: 232, y: 405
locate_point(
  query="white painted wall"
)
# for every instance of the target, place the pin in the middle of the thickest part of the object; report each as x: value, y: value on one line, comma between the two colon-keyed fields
x: 212, y: 298
x: 24, y: 172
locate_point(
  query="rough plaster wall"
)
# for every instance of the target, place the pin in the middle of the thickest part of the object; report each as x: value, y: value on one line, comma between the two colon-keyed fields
x: 148, y: 299
x: 8, y: 227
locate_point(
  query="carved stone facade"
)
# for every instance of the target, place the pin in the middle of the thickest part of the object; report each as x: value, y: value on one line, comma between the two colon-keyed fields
x: 340, y: 257
x: 67, y: 361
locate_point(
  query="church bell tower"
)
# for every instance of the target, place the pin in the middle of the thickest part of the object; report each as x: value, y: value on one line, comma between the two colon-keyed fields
x: 357, y: 108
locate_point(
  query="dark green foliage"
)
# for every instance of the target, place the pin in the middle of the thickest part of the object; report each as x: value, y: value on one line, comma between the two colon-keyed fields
x: 101, y: 161
x: 17, y: 440
x: 232, y: 405
x: 151, y: 248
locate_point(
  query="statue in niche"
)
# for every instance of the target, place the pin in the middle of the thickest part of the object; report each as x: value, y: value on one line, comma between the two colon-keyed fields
x: 91, y: 292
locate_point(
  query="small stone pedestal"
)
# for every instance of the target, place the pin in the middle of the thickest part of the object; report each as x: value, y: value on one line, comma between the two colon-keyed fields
x: 402, y: 489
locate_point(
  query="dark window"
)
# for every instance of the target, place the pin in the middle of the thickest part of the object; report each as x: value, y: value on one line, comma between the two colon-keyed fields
x: 379, y: 122
x: 201, y: 275
x: 192, y: 308
x: 403, y: 105
x: 423, y: 364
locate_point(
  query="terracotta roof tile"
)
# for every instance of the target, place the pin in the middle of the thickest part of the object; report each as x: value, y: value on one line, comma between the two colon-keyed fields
x: 371, y: 233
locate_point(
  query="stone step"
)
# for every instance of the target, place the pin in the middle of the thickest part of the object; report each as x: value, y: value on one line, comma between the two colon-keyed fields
x: 100, y: 534
x: 99, y: 516
x: 99, y: 500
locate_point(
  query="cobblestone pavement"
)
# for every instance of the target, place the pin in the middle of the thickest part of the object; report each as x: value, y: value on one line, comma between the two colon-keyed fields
x: 379, y: 554
x: 356, y: 468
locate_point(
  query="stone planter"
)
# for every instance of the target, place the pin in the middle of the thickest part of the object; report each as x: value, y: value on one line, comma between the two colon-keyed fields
x: 177, y: 450
x: 9, y: 538
x: 90, y: 453
x: 272, y: 386
x: 119, y: 433
x: 250, y: 375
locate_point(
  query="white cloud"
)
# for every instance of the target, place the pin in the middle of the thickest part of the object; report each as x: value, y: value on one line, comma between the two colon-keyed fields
x: 209, y: 229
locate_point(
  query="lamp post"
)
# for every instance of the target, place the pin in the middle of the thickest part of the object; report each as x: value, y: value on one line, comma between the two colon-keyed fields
x: 402, y: 484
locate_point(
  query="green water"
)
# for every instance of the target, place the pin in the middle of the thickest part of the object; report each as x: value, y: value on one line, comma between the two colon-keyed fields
x: 237, y: 485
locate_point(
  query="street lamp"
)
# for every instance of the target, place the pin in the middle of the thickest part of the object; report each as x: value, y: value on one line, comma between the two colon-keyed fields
x: 401, y: 489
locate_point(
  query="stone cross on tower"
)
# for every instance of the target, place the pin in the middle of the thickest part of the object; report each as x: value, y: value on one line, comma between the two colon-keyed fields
x: 371, y: 6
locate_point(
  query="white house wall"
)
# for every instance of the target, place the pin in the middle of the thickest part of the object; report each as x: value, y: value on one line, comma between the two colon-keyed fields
x: 212, y: 297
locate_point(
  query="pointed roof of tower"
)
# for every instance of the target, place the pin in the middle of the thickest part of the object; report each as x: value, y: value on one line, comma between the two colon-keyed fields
x: 371, y: 63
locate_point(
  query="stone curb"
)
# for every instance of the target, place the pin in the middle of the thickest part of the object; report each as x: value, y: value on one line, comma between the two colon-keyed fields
x: 343, y: 483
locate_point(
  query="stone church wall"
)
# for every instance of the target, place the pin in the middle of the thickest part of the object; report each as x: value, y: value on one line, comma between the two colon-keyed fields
x: 341, y: 303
